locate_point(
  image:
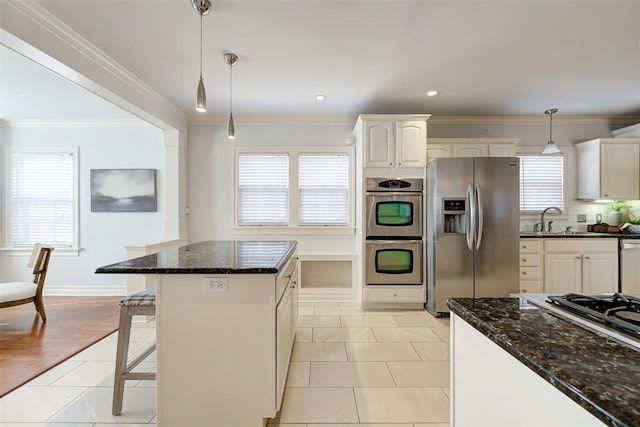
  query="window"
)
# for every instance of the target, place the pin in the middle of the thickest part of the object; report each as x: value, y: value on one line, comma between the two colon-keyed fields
x: 324, y: 189
x: 541, y: 182
x: 41, y: 197
x: 293, y: 187
x: 263, y: 189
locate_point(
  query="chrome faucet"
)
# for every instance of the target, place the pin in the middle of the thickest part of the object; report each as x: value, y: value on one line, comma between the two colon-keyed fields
x: 558, y: 210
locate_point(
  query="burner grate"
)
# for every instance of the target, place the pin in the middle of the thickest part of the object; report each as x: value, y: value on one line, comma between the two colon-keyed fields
x: 618, y: 311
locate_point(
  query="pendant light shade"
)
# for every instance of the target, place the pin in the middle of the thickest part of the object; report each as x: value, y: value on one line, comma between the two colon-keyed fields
x: 231, y: 60
x: 551, y: 147
x: 202, y: 8
x: 201, y: 97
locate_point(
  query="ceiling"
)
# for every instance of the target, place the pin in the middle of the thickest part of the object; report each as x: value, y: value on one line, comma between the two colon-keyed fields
x: 486, y: 57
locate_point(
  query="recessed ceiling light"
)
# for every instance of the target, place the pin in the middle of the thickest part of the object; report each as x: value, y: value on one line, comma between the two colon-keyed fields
x: 432, y: 93
x: 320, y: 97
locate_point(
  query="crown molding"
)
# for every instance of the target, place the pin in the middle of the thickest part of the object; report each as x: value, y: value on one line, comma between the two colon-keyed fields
x: 67, y: 123
x: 531, y: 120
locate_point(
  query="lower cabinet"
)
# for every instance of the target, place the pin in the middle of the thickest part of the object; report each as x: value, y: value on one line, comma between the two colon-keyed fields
x: 588, y: 266
x: 563, y: 265
x: 286, y: 315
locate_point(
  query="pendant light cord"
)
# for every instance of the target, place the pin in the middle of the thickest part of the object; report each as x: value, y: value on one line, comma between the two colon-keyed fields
x: 200, y: 45
x: 550, y: 125
x: 230, y: 88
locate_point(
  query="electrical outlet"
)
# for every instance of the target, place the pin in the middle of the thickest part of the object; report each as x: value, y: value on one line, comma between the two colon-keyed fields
x: 582, y: 217
x: 216, y: 284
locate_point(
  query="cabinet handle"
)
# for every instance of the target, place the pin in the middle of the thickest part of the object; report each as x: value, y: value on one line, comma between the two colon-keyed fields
x: 390, y: 164
x: 395, y: 295
x: 577, y: 257
x: 524, y: 290
x: 606, y: 195
x: 587, y: 257
x: 524, y: 260
x: 524, y: 273
x: 524, y: 247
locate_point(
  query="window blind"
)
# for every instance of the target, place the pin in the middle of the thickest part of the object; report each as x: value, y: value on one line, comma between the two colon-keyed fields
x: 41, y: 199
x: 541, y: 182
x: 324, y: 189
x: 263, y: 189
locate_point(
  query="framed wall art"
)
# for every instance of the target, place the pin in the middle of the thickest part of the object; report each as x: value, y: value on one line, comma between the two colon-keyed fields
x: 123, y: 190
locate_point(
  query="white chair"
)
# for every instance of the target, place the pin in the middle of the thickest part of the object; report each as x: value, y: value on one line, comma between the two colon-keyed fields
x: 16, y: 293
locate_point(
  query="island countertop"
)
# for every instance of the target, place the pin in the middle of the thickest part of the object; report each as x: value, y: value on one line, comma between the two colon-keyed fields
x: 211, y: 257
x: 598, y: 373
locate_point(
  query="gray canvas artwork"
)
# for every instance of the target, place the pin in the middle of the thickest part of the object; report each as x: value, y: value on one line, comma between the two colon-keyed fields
x: 123, y: 190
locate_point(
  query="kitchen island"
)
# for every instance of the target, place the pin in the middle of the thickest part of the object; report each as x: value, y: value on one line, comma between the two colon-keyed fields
x: 518, y: 365
x: 225, y: 325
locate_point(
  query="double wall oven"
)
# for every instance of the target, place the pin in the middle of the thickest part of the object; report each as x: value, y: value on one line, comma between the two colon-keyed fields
x: 394, y: 226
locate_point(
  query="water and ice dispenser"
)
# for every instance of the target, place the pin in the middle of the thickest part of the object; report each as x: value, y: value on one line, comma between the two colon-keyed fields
x: 455, y: 215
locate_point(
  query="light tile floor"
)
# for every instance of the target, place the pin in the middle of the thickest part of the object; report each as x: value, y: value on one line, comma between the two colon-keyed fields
x: 349, y: 368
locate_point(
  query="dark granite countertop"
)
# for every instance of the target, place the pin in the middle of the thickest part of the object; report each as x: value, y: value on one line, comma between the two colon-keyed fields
x: 598, y: 373
x: 529, y: 235
x: 212, y: 257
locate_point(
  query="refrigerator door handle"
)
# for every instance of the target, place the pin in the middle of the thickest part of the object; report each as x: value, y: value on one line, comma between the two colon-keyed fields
x: 471, y: 221
x: 480, y: 217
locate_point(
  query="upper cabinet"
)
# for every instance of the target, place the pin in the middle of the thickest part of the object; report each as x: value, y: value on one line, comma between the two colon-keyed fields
x: 393, y: 141
x: 471, y: 147
x: 609, y: 168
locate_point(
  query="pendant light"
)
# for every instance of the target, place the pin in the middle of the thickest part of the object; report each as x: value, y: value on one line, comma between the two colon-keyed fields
x: 202, y: 8
x: 231, y: 60
x: 551, y: 147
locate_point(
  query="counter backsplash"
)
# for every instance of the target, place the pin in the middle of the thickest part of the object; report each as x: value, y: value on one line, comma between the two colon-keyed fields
x: 576, y: 207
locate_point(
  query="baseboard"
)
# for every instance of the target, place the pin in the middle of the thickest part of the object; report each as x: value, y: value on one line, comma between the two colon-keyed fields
x: 328, y: 295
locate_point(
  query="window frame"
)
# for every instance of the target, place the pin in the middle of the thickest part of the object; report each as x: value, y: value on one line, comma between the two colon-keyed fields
x: 565, y: 153
x: 293, y: 152
x: 74, y: 248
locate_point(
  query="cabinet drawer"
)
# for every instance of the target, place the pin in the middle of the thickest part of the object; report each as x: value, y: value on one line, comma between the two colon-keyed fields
x: 530, y: 273
x: 600, y: 244
x: 394, y: 295
x: 531, y: 286
x: 530, y: 260
x: 530, y: 246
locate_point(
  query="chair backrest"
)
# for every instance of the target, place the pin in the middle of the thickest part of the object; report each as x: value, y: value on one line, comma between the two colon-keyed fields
x: 41, y: 265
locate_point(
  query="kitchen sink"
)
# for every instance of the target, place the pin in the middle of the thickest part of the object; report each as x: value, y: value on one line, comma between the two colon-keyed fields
x: 557, y: 233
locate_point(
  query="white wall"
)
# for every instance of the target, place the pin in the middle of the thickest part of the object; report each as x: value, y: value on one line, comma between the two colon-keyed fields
x: 102, y: 235
x: 211, y: 176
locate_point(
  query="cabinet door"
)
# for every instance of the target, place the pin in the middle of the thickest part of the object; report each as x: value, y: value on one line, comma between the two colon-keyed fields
x: 502, y: 150
x: 379, y: 144
x: 438, y: 151
x: 562, y: 273
x: 470, y: 150
x: 620, y: 171
x: 411, y: 141
x: 599, y: 273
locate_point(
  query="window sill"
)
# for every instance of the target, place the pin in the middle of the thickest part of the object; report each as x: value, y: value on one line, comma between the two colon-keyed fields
x: 74, y: 251
x: 319, y: 230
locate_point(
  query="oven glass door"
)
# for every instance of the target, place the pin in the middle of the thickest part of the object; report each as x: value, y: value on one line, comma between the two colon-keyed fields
x: 394, y: 263
x: 394, y: 215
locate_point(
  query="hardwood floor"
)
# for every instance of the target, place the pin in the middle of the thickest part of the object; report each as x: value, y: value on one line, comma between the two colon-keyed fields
x: 30, y: 347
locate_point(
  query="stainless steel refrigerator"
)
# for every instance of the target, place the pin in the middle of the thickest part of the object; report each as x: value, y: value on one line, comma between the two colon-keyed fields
x: 472, y: 229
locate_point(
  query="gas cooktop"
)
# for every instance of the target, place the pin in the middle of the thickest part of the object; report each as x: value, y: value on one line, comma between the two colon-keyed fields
x: 621, y: 312
x: 614, y: 315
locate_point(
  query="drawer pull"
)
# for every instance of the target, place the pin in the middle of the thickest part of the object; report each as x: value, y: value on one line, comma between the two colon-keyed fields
x: 577, y: 257
x: 587, y: 257
x: 524, y: 246
x: 524, y: 260
x: 524, y: 273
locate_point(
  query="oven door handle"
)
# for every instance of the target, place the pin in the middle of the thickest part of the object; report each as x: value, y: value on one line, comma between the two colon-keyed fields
x: 394, y: 241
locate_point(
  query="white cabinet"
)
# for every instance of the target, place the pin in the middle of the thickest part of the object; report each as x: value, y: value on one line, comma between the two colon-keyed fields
x: 471, y: 147
x: 286, y: 315
x: 393, y: 142
x: 579, y: 265
x: 609, y: 168
x: 531, y: 277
